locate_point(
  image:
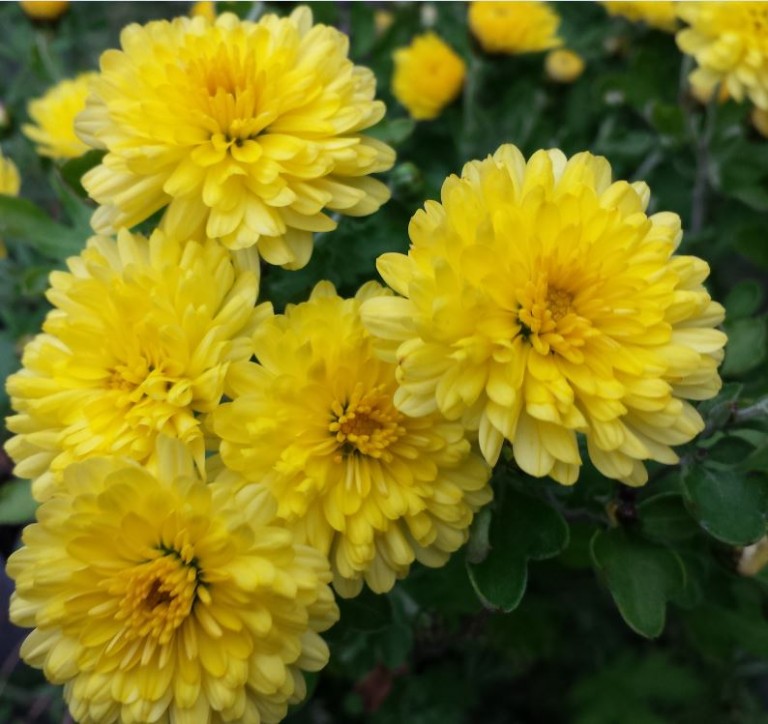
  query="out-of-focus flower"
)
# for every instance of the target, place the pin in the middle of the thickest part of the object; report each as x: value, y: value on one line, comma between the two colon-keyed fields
x: 660, y: 14
x: 53, y: 116
x: 43, y: 10
x: 315, y: 423
x: 727, y: 40
x: 514, y: 27
x: 138, y: 345
x: 540, y: 301
x: 250, y: 131
x: 563, y: 66
x: 204, y: 9
x: 154, y: 597
x: 382, y: 20
x: 428, y: 76
x: 10, y: 183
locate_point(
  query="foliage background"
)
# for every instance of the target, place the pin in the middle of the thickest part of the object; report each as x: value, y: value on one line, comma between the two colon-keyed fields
x: 623, y: 606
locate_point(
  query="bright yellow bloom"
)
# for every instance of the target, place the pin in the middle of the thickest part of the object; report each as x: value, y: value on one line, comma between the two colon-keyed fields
x: 157, y: 598
x: 660, y: 14
x: 44, y: 10
x: 514, y: 27
x: 250, y: 130
x: 563, y: 66
x: 139, y: 344
x: 540, y: 301
x: 205, y: 9
x: 315, y: 423
x: 428, y: 76
x: 728, y: 41
x: 54, y: 118
x: 10, y: 183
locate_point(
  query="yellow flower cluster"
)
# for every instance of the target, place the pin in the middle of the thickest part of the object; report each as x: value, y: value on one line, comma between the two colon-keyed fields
x: 207, y: 468
x: 659, y: 14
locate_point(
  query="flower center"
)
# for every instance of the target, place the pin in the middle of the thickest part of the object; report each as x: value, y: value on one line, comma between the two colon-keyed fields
x: 368, y: 423
x: 158, y: 596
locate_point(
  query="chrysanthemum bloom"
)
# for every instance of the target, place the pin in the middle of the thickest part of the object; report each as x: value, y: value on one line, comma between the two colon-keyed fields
x: 540, y: 301
x: 44, y: 9
x: 54, y: 114
x: 315, y: 423
x: 428, y: 76
x: 139, y: 344
x: 727, y: 39
x: 157, y: 598
x: 660, y: 14
x: 563, y: 66
x: 204, y: 8
x: 514, y: 27
x: 10, y: 183
x: 251, y: 130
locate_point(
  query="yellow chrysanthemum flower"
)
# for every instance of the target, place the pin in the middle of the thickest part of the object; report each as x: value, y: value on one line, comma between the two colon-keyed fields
x: 157, y: 598
x: 727, y: 39
x: 428, y: 76
x: 205, y: 9
x: 514, y: 27
x: 563, y: 66
x: 44, y: 9
x: 250, y: 130
x: 54, y: 118
x: 139, y: 344
x: 315, y: 423
x: 540, y: 301
x: 657, y: 14
x: 10, y: 183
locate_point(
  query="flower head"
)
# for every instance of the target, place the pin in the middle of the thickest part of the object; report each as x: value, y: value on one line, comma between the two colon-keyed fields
x: 44, y: 9
x: 10, y: 183
x: 563, y: 66
x: 728, y: 41
x: 248, y: 130
x: 514, y: 27
x: 54, y: 118
x: 139, y: 344
x: 540, y: 301
x: 428, y: 76
x: 157, y: 598
x: 315, y: 423
x: 660, y: 14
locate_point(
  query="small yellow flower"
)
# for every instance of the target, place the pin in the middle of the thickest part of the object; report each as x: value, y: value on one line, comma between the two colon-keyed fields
x: 54, y: 118
x: 315, y: 423
x: 727, y: 39
x: 154, y: 597
x: 246, y: 132
x: 659, y: 14
x: 204, y: 9
x: 139, y: 344
x: 428, y: 76
x: 382, y: 21
x: 540, y: 301
x: 563, y: 66
x: 10, y: 183
x: 43, y: 10
x: 514, y: 27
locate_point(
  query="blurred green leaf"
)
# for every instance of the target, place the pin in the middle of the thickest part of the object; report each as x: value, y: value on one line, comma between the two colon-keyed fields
x: 366, y: 612
x: 744, y: 299
x: 746, y: 349
x: 664, y: 518
x: 17, y: 506
x: 22, y: 220
x: 522, y: 528
x: 641, y: 576
x: 73, y: 170
x: 729, y: 505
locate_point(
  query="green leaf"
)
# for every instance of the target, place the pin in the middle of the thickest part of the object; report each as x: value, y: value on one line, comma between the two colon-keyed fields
x: 16, y: 502
x: 746, y: 348
x: 730, y: 450
x: 394, y: 131
x: 523, y: 528
x: 641, y: 576
x: 664, y: 518
x: 366, y: 612
x: 750, y: 242
x: 729, y: 505
x: 22, y: 220
x: 744, y: 299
